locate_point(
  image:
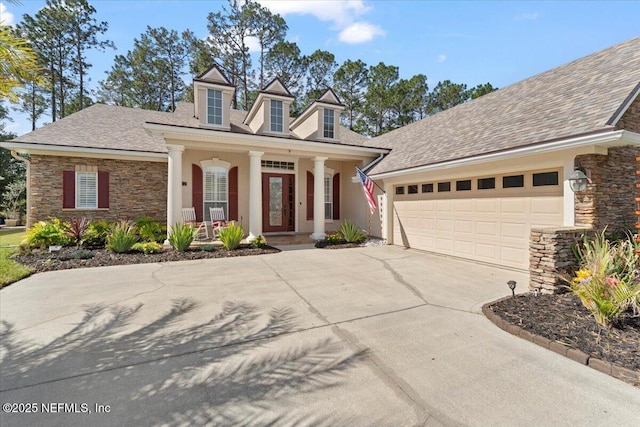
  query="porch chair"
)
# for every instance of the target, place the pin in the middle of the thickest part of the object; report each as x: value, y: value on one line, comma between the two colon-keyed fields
x: 189, y: 217
x: 218, y: 221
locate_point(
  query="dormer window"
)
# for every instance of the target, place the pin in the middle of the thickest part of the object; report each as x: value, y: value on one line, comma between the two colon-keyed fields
x: 277, y: 116
x: 329, y: 126
x: 214, y: 107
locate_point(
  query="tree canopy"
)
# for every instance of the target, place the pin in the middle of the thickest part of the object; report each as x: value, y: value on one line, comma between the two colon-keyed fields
x: 244, y: 39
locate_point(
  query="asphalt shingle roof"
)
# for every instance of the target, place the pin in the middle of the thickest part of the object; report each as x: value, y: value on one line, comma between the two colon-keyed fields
x: 121, y: 128
x: 576, y: 98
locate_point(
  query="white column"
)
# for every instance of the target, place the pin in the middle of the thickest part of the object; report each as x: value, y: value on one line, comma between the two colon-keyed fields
x: 388, y: 214
x: 174, y: 186
x: 569, y: 202
x: 318, y: 198
x: 255, y: 194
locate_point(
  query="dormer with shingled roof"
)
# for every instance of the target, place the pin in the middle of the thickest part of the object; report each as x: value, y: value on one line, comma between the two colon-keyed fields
x: 320, y: 121
x: 269, y: 114
x: 212, y: 99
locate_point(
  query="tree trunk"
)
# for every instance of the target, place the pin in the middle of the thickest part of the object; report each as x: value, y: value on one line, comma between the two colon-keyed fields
x: 53, y: 92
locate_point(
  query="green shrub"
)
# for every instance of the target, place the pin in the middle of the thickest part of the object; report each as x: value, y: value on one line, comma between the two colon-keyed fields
x: 147, y: 247
x: 82, y: 254
x: 208, y: 248
x: 181, y: 236
x: 150, y: 230
x: 351, y: 232
x: 76, y: 230
x: 97, y: 232
x: 122, y: 237
x: 259, y: 242
x: 46, y: 233
x: 608, y: 282
x: 231, y: 236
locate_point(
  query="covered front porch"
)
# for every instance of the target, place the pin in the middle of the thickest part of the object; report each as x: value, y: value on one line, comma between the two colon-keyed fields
x: 271, y: 186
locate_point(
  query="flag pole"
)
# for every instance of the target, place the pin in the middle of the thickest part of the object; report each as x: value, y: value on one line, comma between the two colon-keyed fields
x: 374, y: 183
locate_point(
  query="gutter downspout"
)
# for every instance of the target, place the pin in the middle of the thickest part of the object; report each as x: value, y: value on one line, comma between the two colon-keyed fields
x: 375, y: 161
x: 15, y: 155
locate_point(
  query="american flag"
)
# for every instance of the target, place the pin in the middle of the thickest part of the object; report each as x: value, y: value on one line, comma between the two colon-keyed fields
x: 367, y: 188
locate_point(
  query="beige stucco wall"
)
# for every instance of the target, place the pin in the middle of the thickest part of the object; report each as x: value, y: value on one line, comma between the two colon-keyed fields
x: 308, y: 129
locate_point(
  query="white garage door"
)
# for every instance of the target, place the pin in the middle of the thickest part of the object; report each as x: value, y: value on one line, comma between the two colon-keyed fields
x: 493, y: 230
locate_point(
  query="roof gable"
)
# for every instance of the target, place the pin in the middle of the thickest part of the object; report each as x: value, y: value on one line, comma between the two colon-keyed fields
x: 330, y: 97
x: 276, y: 87
x: 213, y: 75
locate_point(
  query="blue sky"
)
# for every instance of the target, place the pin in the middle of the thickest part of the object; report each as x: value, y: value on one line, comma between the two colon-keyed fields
x: 475, y: 42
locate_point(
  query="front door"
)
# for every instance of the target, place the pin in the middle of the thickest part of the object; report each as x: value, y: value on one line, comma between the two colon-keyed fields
x: 278, y: 202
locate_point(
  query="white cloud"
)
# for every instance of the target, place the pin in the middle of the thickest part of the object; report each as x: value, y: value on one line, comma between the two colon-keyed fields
x: 531, y: 16
x: 343, y: 14
x: 442, y: 58
x: 253, y: 43
x: 360, y: 32
x: 6, y: 17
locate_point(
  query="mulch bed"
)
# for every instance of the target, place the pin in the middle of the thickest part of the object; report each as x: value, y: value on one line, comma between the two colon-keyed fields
x: 41, y: 261
x: 563, y: 318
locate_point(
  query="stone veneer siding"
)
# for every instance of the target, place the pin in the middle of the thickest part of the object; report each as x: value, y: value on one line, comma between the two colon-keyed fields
x: 551, y: 256
x: 136, y: 188
x: 630, y: 120
x: 609, y: 199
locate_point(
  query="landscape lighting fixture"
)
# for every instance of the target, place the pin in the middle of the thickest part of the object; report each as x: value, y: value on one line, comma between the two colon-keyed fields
x: 512, y: 286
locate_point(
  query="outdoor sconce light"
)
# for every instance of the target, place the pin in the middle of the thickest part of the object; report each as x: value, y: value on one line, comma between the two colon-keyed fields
x: 578, y: 180
x: 512, y: 286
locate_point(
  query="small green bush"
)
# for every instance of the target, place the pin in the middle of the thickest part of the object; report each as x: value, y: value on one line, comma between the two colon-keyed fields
x: 259, y: 242
x: 82, y: 254
x: 97, y: 232
x: 46, y: 233
x: 351, y: 232
x: 208, y: 248
x: 122, y: 237
x: 181, y: 236
x: 150, y: 230
x: 231, y: 236
x: 147, y: 247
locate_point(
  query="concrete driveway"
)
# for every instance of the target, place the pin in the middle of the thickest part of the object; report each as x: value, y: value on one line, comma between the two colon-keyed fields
x: 369, y: 336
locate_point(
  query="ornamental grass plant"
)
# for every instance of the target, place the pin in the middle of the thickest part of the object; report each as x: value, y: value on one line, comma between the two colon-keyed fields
x: 181, y: 236
x: 122, y: 237
x: 351, y: 232
x: 231, y: 236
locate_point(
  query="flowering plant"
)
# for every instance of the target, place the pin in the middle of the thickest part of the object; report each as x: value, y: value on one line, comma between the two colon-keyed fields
x: 608, y: 282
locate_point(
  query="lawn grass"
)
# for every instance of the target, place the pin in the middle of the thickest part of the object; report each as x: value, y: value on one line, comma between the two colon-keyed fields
x: 11, y: 271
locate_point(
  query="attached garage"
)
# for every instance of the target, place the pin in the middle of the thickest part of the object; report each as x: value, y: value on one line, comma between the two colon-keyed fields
x: 486, y: 219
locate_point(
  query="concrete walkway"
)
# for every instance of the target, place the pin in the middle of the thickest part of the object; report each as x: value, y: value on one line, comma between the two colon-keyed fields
x: 370, y: 336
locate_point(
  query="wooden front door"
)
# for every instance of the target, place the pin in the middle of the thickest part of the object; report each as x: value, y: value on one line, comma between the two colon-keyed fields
x: 278, y: 202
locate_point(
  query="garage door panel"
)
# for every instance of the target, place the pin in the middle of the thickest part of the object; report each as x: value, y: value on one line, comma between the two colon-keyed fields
x: 463, y: 206
x: 463, y: 226
x: 464, y: 247
x: 444, y: 224
x: 489, y: 230
x: 546, y: 205
x: 514, y: 230
x: 514, y: 205
x: 486, y: 206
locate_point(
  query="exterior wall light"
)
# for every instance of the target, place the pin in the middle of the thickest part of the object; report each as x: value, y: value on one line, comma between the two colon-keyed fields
x: 578, y: 180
